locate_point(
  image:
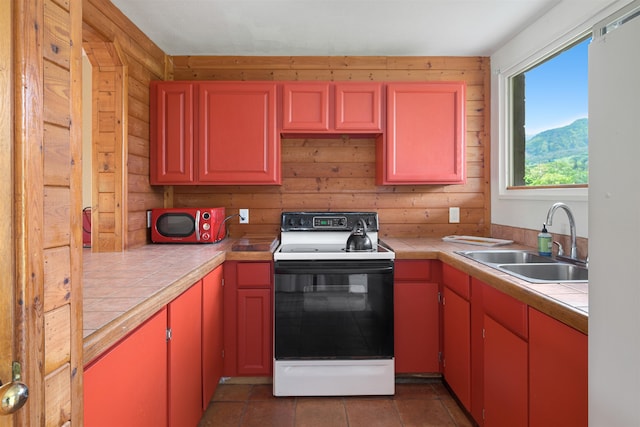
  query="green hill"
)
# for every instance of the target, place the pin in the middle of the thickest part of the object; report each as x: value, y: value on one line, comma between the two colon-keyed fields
x: 558, y: 156
x: 565, y: 141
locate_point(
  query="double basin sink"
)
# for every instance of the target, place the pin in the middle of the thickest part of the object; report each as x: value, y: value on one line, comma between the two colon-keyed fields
x: 530, y: 266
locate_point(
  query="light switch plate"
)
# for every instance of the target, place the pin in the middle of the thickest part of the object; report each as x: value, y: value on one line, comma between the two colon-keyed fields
x: 454, y: 215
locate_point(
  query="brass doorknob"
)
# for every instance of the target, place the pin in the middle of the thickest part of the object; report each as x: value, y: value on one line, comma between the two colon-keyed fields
x: 14, y: 394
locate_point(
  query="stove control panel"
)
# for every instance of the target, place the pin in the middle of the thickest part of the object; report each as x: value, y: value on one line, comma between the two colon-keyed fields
x: 327, y: 221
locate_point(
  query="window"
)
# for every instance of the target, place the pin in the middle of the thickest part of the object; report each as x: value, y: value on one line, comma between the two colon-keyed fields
x: 549, y: 117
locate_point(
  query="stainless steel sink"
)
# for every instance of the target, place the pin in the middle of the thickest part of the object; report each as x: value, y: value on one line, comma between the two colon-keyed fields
x: 549, y: 272
x: 529, y: 266
x: 506, y: 257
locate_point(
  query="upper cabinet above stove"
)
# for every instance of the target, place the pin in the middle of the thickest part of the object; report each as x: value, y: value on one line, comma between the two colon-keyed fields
x: 228, y: 133
x: 324, y: 107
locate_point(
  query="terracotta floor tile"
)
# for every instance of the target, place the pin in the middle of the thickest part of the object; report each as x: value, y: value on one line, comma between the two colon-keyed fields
x: 232, y: 392
x: 414, y: 404
x: 263, y: 392
x: 223, y: 414
x: 265, y: 413
x: 372, y: 413
x: 456, y: 412
x: 320, y: 412
x: 415, y: 391
x: 424, y: 413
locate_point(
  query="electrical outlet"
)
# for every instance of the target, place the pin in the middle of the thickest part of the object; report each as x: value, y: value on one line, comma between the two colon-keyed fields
x: 244, y: 216
x: 454, y: 215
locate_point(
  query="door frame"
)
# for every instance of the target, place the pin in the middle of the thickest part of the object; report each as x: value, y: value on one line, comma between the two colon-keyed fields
x: 7, y: 260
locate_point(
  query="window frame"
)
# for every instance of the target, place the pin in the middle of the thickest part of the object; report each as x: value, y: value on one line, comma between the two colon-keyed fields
x: 506, y: 147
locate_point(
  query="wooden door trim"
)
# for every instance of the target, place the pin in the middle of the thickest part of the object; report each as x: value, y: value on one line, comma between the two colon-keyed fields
x: 29, y: 200
x: 7, y: 279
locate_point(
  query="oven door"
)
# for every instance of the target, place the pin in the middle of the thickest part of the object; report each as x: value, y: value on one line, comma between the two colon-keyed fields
x: 333, y: 310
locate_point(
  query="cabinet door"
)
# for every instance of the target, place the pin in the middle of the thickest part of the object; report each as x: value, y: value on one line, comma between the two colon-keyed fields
x: 137, y: 364
x: 305, y: 106
x: 558, y: 381
x: 237, y: 139
x: 505, y: 377
x: 254, y: 332
x: 247, y: 318
x: 457, y: 345
x: 358, y: 106
x: 211, y: 334
x: 416, y: 324
x: 425, y: 134
x: 185, y: 358
x: 171, y: 133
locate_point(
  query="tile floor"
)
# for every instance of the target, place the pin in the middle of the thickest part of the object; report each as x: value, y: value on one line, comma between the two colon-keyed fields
x: 425, y: 403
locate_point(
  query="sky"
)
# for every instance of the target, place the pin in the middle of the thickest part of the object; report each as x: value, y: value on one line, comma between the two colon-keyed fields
x: 556, y: 91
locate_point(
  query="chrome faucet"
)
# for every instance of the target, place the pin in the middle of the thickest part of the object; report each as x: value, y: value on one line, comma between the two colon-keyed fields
x: 572, y: 225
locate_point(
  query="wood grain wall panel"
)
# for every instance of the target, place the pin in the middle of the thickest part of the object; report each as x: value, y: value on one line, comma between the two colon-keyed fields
x: 58, y: 402
x: 57, y: 341
x: 47, y: 152
x: 339, y: 173
x: 134, y: 59
x: 57, y: 277
x: 57, y: 86
x: 57, y: 208
x: 57, y: 155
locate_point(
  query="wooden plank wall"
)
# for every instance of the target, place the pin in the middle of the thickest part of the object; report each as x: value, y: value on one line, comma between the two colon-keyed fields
x: 124, y: 194
x: 338, y: 173
x: 48, y: 209
x: 108, y: 122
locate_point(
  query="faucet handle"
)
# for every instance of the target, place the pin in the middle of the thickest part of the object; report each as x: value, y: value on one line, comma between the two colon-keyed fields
x: 560, y: 248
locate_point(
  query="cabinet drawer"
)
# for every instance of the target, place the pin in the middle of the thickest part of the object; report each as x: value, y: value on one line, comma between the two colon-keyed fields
x: 506, y: 310
x: 254, y: 274
x: 456, y: 280
x: 412, y: 270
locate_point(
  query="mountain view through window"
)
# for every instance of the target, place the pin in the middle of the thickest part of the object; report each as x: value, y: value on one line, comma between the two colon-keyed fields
x: 551, y: 120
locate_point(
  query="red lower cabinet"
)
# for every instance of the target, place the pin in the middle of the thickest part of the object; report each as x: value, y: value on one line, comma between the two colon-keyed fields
x: 166, y: 371
x: 212, y: 341
x: 185, y: 358
x: 254, y: 332
x: 456, y: 332
x: 416, y: 318
x: 505, y: 376
x: 248, y: 346
x: 558, y: 382
x: 128, y: 384
x: 457, y: 345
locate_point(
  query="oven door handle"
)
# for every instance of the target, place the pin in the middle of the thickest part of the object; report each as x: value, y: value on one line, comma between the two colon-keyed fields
x: 354, y: 269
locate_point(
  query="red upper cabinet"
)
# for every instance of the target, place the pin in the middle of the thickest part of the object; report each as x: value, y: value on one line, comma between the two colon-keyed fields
x: 237, y: 139
x: 305, y: 106
x: 171, y: 131
x: 323, y: 107
x: 358, y: 106
x: 214, y: 133
x: 424, y: 142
